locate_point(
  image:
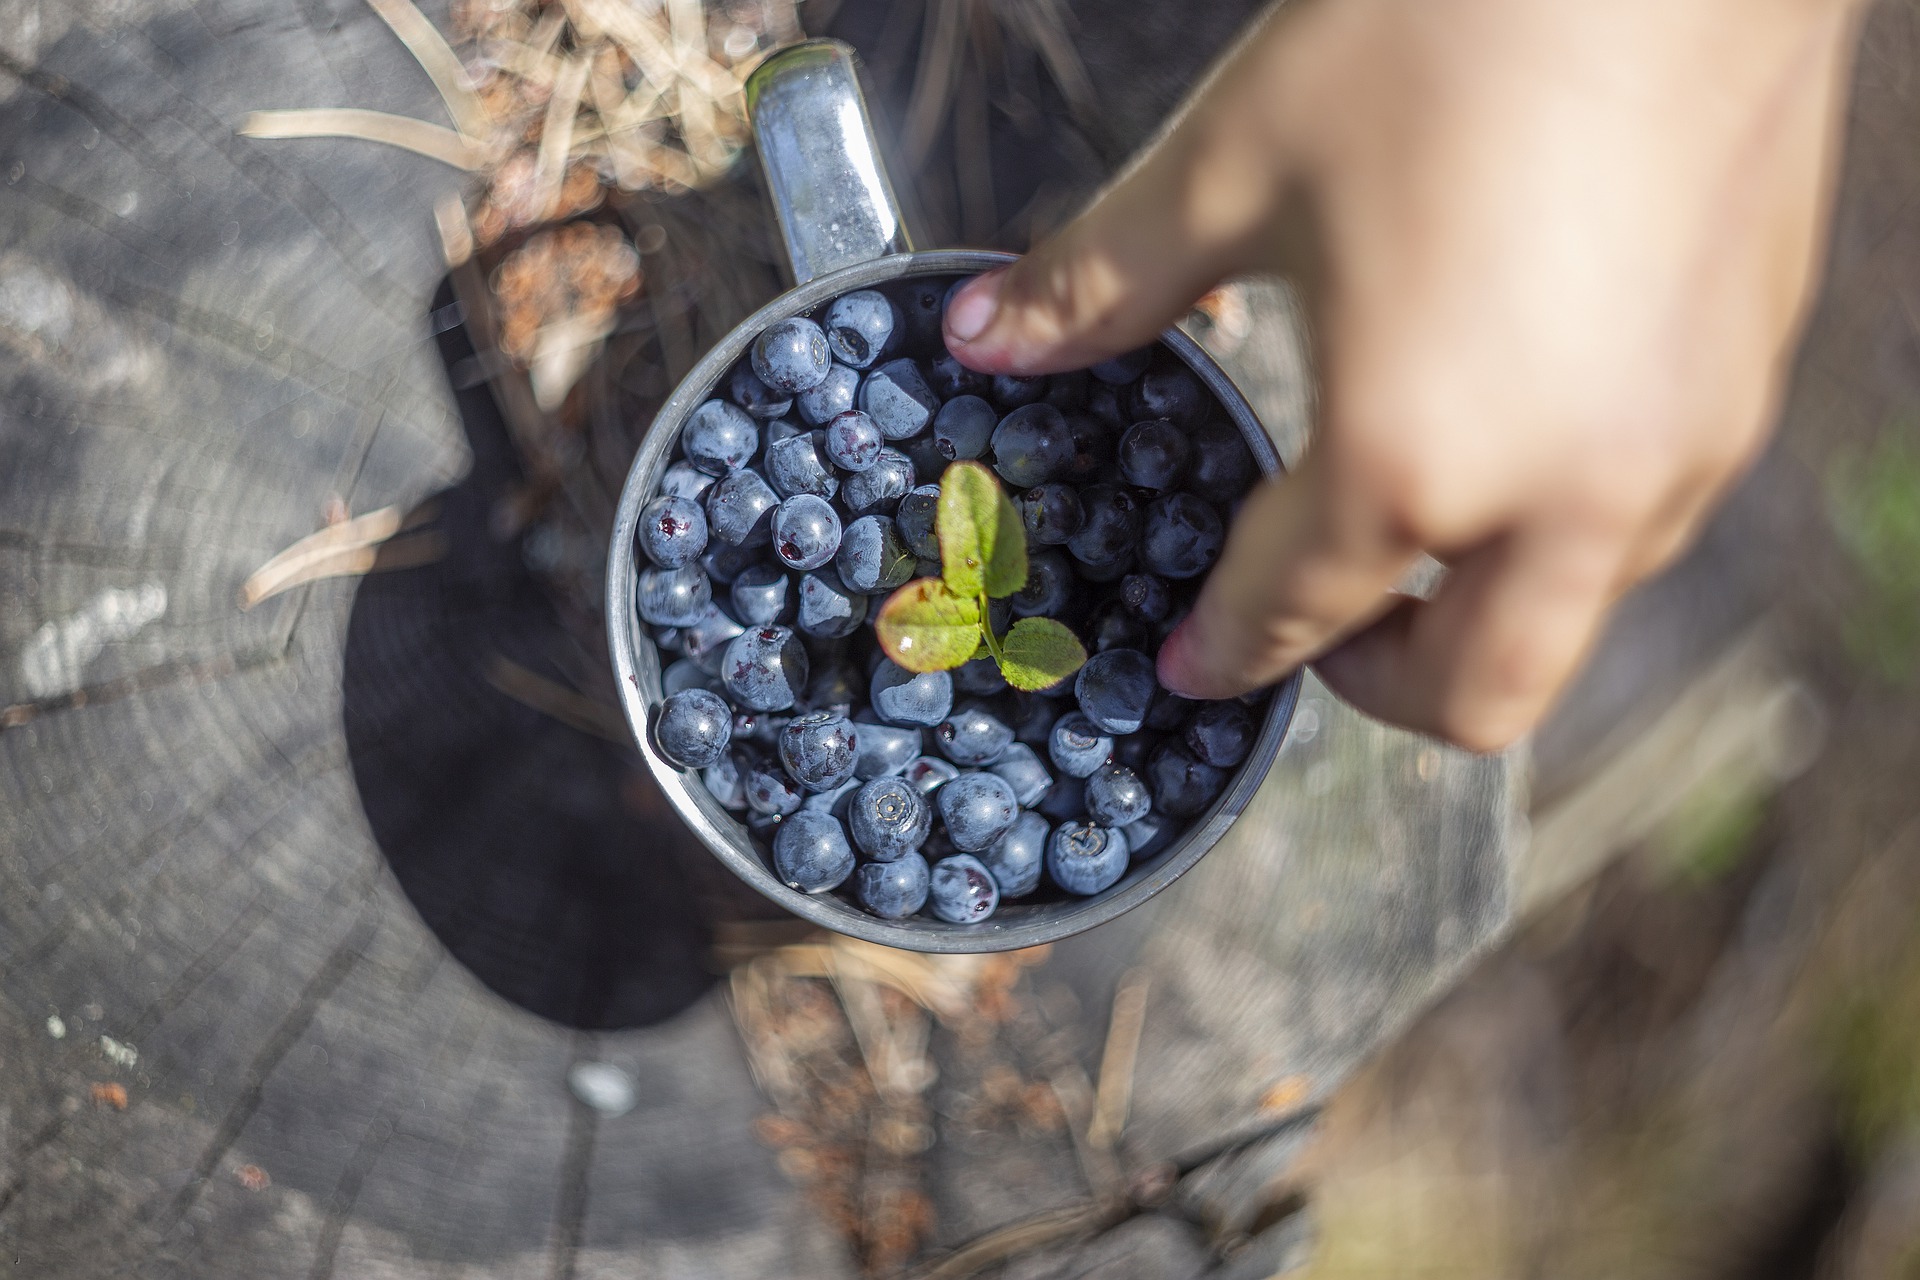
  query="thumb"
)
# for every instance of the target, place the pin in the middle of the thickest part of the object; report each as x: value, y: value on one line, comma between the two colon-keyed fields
x: 1192, y: 211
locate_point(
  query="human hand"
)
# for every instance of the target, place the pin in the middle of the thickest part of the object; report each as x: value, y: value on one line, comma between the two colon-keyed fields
x: 1556, y: 258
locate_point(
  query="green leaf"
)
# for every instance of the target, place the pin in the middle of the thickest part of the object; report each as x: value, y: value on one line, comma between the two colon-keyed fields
x: 925, y: 627
x: 1040, y: 652
x: 983, y: 545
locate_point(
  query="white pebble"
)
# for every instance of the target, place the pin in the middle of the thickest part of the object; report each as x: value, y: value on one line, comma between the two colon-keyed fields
x: 56, y: 1027
x: 602, y: 1086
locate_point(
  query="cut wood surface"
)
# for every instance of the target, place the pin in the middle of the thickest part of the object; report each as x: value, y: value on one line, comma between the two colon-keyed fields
x: 336, y: 905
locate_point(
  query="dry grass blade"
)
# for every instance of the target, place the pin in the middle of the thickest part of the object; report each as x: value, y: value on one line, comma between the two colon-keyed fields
x: 437, y: 59
x: 554, y: 699
x: 1075, y: 1093
x: 535, y: 66
x: 1045, y: 28
x: 941, y: 53
x: 561, y: 353
x: 1042, y: 1230
x: 1113, y: 1097
x: 320, y: 555
x: 556, y: 138
x: 417, y: 136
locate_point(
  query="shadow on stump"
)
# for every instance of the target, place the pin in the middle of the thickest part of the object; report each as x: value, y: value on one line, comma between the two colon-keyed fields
x: 540, y: 855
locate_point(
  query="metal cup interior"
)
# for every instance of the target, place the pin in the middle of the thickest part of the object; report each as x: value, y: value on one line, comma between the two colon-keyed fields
x: 636, y: 662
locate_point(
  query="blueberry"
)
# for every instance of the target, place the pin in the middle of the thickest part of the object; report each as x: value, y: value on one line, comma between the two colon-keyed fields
x: 829, y: 608
x: 806, y: 531
x: 837, y: 393
x: 673, y: 531
x: 1182, y: 786
x: 770, y: 790
x: 761, y: 594
x: 893, y: 890
x: 834, y: 687
x: 1048, y: 587
x: 901, y: 696
x: 765, y: 669
x: 1222, y: 466
x: 719, y: 437
x: 1033, y: 719
x: 1067, y: 802
x: 811, y: 853
x: 1116, y: 796
x: 976, y: 808
x: 1107, y: 405
x: 1181, y: 537
x: 872, y: 558
x: 1113, y: 626
x: 756, y: 397
x: 979, y: 676
x: 890, y: 819
x: 927, y: 774
x: 1032, y: 445
x: 1123, y: 368
x: 1115, y: 688
x: 880, y: 487
x: 780, y: 429
x: 724, y: 561
x: 1153, y: 454
x: 949, y: 378
x: 914, y: 521
x: 1077, y: 746
x: 705, y: 639
x: 1146, y: 597
x: 1220, y: 734
x: 1083, y: 858
x: 961, y: 890
x: 672, y: 597
x: 920, y: 304
x: 740, y: 509
x: 759, y: 727
x: 686, y: 674
x: 1093, y: 451
x: 884, y: 750
x: 1021, y: 769
x: 1149, y: 835
x: 762, y: 826
x: 726, y: 783
x: 684, y: 480
x: 1013, y: 392
x: 898, y: 399
x: 818, y: 750
x: 924, y: 453
x: 1169, y: 711
x: 798, y: 465
x: 972, y: 736
x: 693, y: 729
x: 791, y: 355
x: 859, y: 326
x: 1051, y: 514
x: 1067, y: 392
x: 963, y: 428
x: 1169, y: 390
x: 853, y: 442
x: 837, y: 801
x: 1015, y: 859
x: 1111, y: 528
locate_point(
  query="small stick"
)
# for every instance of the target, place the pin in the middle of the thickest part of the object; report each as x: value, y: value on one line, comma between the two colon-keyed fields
x: 338, y: 549
x: 1114, y: 1095
x: 554, y: 699
x: 556, y: 135
x: 1055, y: 1226
x: 438, y: 60
x: 417, y: 136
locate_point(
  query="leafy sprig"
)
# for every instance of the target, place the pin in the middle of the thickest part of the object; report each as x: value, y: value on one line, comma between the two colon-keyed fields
x: 935, y: 624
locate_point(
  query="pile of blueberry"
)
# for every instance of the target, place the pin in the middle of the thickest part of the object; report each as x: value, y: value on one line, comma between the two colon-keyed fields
x: 807, y: 492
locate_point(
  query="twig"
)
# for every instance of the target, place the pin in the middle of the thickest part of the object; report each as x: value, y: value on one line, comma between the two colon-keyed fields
x: 417, y: 136
x: 1055, y: 1226
x: 1114, y: 1095
x: 554, y: 699
x: 438, y: 60
x: 1075, y: 1092
x: 334, y: 551
x: 556, y: 136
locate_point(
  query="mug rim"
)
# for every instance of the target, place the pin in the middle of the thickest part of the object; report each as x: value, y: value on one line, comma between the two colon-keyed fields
x: 637, y: 666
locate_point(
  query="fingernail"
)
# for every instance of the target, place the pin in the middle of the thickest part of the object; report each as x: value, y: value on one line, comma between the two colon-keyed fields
x: 971, y: 310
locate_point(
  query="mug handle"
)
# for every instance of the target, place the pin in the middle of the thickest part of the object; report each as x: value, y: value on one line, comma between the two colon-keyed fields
x: 825, y: 178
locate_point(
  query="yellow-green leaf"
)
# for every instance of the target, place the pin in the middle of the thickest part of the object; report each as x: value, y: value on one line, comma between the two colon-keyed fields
x: 925, y: 627
x: 983, y: 545
x: 1040, y: 652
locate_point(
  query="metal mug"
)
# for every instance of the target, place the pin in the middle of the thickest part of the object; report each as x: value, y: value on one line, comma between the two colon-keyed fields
x: 843, y: 230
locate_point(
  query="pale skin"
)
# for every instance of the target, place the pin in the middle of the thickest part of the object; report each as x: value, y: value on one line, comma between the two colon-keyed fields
x: 1557, y: 256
